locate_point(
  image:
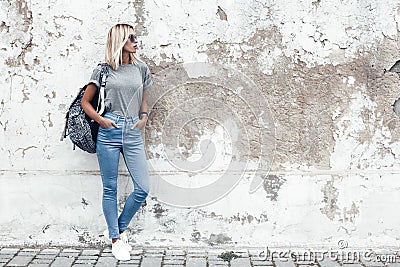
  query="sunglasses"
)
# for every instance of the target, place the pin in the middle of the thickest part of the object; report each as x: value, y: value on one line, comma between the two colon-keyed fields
x: 132, y: 38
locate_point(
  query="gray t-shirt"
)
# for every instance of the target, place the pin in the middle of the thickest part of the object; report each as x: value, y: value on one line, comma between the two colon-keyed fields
x: 124, y: 87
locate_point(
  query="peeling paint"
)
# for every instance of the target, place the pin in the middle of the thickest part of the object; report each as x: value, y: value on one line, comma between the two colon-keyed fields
x: 272, y: 184
x: 351, y: 214
x: 330, y: 199
x: 4, y: 26
x: 141, y: 17
x: 221, y: 13
x: 25, y: 149
x: 196, y: 236
x: 25, y: 12
x: 4, y: 125
x: 216, y: 239
x: 23, y: 44
x: 47, y: 122
x: 45, y: 228
x: 159, y: 210
x: 26, y: 93
x: 228, y: 256
x: 84, y: 202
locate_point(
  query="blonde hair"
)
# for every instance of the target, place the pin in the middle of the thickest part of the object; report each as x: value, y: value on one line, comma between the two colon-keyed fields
x: 116, y: 39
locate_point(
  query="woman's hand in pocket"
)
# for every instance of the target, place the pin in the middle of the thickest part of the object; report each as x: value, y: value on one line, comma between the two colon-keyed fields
x: 139, y: 124
x: 107, y: 123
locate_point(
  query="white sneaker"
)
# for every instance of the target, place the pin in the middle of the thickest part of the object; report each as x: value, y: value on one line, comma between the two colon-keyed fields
x: 120, y: 251
x: 124, y: 238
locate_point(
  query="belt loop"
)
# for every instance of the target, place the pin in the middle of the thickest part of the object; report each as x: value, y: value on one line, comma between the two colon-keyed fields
x: 117, y: 119
x: 128, y: 119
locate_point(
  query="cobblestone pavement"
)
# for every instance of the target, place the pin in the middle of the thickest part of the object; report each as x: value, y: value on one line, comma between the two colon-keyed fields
x: 192, y: 257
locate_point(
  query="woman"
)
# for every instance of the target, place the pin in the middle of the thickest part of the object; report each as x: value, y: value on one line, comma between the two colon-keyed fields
x: 120, y: 130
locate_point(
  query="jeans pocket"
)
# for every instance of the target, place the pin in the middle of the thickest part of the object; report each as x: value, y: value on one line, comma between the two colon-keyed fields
x: 106, y: 131
x: 134, y: 132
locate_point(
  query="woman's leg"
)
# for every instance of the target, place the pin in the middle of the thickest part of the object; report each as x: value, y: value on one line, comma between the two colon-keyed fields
x: 108, y: 153
x: 135, y: 160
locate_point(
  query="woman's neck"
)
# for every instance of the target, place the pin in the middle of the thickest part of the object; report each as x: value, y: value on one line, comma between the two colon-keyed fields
x: 125, y: 58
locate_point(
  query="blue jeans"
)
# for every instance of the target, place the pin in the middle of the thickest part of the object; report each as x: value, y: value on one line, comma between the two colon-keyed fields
x: 110, y: 143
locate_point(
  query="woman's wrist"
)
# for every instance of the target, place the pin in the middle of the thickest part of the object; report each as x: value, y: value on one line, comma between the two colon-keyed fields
x: 143, y: 115
x: 99, y: 119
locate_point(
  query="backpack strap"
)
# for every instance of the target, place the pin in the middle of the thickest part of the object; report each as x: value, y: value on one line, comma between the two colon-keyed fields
x: 64, y: 133
x: 103, y: 77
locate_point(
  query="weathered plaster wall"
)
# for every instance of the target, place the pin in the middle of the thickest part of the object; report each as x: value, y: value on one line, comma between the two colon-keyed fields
x: 315, y: 122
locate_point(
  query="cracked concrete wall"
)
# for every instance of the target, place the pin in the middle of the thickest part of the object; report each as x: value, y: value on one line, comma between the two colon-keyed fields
x: 319, y: 64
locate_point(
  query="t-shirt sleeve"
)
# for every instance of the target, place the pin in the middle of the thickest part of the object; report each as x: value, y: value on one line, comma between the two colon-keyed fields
x: 95, y: 76
x: 147, y: 80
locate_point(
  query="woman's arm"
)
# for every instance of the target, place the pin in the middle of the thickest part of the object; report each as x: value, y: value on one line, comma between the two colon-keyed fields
x: 90, y: 111
x: 144, y: 108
